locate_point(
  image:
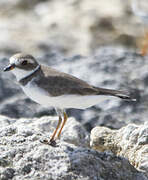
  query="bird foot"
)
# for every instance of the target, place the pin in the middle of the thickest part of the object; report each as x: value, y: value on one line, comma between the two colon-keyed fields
x: 51, y: 142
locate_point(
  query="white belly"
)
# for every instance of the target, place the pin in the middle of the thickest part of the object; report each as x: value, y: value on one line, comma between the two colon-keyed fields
x: 65, y: 101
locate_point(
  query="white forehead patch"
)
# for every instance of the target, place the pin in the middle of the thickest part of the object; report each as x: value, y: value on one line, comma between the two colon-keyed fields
x: 17, y: 61
x: 13, y: 60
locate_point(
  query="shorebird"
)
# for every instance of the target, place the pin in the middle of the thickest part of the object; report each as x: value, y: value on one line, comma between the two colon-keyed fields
x: 49, y: 87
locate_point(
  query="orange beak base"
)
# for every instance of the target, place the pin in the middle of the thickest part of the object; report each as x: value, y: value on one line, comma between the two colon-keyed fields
x: 9, y: 67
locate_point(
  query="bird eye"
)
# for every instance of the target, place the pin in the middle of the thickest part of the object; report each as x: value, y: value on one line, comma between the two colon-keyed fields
x: 24, y: 62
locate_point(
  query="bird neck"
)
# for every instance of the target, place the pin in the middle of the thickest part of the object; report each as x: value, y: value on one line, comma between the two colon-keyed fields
x: 25, y: 79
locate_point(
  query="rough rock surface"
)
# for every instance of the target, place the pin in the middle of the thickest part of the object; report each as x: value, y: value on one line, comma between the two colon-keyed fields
x: 23, y: 156
x: 130, y: 142
x: 109, y: 67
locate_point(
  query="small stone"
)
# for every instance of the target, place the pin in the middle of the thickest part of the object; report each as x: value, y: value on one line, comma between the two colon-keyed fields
x: 26, y: 169
x: 8, y: 174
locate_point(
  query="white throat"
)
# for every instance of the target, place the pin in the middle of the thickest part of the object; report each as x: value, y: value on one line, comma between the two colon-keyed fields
x: 21, y: 74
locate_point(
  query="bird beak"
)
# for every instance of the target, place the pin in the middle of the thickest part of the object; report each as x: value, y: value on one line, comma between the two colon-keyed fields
x: 9, y: 67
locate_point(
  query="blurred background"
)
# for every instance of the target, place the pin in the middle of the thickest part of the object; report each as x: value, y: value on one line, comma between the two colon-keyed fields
x: 99, y: 41
x: 71, y: 26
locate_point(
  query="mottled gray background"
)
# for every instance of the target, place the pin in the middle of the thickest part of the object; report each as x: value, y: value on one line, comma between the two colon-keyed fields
x: 96, y: 40
x: 71, y: 26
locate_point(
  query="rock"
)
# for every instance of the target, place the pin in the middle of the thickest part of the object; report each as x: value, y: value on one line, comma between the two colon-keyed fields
x: 24, y: 156
x: 130, y: 142
x: 73, y: 132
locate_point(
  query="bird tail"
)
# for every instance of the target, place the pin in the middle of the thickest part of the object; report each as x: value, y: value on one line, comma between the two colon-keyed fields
x: 116, y: 93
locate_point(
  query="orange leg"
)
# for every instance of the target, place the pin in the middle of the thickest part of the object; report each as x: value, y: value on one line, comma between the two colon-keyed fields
x: 54, y: 134
x: 64, y: 121
x: 144, y: 48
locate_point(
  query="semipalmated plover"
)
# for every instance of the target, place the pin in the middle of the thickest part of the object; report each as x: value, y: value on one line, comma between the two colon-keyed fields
x: 50, y: 87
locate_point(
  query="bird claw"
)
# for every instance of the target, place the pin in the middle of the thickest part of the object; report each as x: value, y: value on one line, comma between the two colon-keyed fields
x: 47, y: 142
